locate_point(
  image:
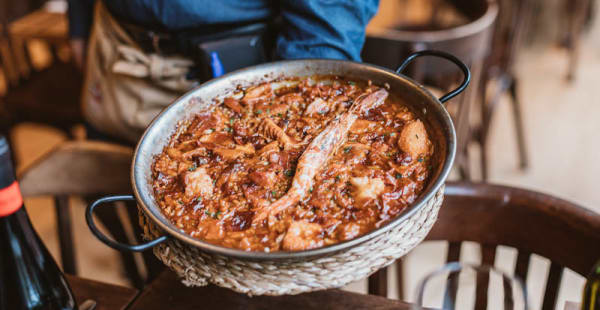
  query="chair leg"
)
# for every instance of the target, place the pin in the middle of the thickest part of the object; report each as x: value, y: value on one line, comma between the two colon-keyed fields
x: 153, y: 266
x: 378, y: 283
x: 65, y: 235
x: 576, y: 23
x: 464, y: 168
x: 523, y: 160
x: 483, y: 159
x: 111, y: 220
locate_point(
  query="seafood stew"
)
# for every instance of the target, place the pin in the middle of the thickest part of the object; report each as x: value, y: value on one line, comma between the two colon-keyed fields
x: 293, y: 165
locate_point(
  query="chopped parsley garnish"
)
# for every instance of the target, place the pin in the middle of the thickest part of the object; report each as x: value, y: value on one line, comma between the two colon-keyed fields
x: 192, y: 167
x: 228, y: 129
x: 289, y: 173
x: 347, y: 149
x: 420, y: 159
x: 231, y: 120
x: 268, y: 111
x: 337, y: 177
x: 180, y: 202
x: 279, y: 115
x: 310, y: 190
x: 199, y: 199
x: 351, y: 83
x: 214, y: 215
x: 258, y: 111
x: 398, y: 175
x: 274, y: 193
x: 393, y: 134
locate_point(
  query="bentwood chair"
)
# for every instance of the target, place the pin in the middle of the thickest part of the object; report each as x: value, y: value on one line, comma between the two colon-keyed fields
x: 533, y: 223
x: 499, y: 76
x: 463, y: 28
x: 88, y: 169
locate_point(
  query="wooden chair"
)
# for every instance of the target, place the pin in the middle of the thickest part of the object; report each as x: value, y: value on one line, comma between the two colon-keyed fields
x: 87, y: 169
x: 48, y: 95
x: 42, y: 25
x: 533, y: 223
x: 463, y: 28
x: 510, y: 29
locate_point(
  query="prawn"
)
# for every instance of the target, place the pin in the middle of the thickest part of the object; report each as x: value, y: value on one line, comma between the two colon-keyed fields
x: 319, y: 151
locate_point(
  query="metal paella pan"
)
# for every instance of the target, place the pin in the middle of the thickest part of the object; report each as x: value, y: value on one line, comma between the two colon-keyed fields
x: 199, y: 262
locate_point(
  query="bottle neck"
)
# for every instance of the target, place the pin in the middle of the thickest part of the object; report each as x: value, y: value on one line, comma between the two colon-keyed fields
x: 10, y: 194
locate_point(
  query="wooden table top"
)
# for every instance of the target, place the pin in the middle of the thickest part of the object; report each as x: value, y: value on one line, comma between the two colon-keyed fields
x: 107, y: 296
x: 167, y: 292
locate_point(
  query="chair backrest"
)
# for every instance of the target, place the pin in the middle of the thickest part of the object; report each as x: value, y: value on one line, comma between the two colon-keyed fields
x: 390, y: 41
x: 79, y: 168
x: 89, y: 169
x: 510, y: 32
x: 533, y: 223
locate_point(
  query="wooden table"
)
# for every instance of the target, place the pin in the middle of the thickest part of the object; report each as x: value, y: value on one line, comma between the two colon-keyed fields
x: 166, y: 292
x: 107, y: 296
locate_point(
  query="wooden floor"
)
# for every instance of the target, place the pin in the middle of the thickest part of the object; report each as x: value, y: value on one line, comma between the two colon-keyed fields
x: 562, y: 124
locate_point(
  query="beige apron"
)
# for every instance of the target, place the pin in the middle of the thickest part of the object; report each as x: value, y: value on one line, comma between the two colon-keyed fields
x: 125, y: 88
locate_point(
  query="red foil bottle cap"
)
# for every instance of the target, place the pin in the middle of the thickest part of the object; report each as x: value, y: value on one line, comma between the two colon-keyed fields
x: 10, y: 199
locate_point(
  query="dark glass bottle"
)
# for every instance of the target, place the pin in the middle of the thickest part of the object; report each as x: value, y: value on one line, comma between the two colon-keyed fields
x: 29, y: 277
x: 591, y: 292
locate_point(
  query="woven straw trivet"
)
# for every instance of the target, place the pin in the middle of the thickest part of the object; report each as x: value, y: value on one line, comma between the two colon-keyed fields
x: 197, y: 268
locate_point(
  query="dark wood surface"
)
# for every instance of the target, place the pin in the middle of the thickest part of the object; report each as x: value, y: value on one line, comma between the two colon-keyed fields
x: 106, y: 296
x: 166, y: 292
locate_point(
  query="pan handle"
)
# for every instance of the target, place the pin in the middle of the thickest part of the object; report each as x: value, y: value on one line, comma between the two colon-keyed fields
x: 448, y: 57
x: 111, y: 243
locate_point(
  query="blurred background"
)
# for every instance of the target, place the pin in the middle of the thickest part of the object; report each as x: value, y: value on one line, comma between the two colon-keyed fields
x: 529, y: 119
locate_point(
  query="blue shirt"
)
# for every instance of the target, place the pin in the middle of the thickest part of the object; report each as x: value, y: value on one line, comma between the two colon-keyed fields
x: 311, y: 28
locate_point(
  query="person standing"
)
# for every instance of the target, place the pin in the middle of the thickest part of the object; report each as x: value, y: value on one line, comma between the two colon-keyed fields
x: 138, y: 56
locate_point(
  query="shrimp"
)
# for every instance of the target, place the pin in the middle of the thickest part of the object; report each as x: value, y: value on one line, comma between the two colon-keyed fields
x: 319, y: 151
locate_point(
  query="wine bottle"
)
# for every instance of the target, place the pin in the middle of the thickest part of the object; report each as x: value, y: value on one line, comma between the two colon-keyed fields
x: 29, y: 277
x: 591, y: 292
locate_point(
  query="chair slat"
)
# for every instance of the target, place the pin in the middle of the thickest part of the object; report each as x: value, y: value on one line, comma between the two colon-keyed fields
x: 153, y: 266
x: 522, y: 266
x: 378, y: 283
x: 552, y: 286
x: 508, y: 294
x: 65, y: 234
x: 109, y: 218
x: 400, y: 278
x: 488, y: 255
x: 453, y: 252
